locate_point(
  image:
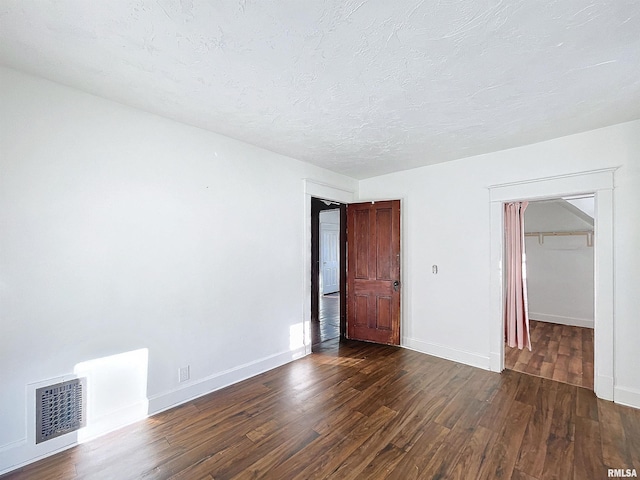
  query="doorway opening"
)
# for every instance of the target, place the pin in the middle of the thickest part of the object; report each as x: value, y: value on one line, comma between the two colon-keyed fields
x: 600, y: 183
x: 328, y: 272
x: 559, y: 259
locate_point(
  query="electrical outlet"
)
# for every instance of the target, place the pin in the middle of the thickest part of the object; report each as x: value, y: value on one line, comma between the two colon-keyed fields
x: 183, y: 374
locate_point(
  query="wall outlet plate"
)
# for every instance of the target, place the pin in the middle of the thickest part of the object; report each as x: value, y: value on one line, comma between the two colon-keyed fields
x: 183, y: 374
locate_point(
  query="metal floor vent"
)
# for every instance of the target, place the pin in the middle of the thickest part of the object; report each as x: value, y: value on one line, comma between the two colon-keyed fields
x: 60, y: 409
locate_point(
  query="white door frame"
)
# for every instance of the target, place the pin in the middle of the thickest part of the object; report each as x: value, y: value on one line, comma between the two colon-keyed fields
x: 600, y: 183
x: 315, y: 189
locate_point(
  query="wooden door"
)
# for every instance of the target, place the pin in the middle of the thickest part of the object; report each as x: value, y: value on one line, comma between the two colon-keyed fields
x: 373, y: 272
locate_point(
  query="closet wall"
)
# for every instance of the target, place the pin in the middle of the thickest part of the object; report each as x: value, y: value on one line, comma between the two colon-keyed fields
x: 559, y: 263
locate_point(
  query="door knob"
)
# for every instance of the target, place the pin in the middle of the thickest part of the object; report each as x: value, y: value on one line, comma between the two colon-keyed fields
x: 396, y: 285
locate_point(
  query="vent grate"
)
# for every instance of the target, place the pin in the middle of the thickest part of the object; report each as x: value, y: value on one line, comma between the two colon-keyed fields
x: 60, y: 409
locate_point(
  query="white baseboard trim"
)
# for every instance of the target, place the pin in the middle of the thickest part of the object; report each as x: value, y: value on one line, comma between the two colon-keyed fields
x: 23, y: 452
x: 20, y: 453
x: 627, y: 396
x: 165, y: 401
x: 12, y: 445
x: 574, y: 322
x: 96, y: 427
x: 494, y: 362
x: 448, y: 353
x: 603, y: 387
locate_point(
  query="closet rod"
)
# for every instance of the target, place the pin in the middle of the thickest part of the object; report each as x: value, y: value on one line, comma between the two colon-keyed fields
x: 541, y: 235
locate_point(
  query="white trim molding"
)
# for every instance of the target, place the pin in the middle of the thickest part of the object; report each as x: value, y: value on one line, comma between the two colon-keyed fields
x: 601, y: 184
x: 328, y: 192
x: 448, y: 353
x: 627, y: 396
x: 26, y: 451
x: 204, y: 386
x: 561, y: 320
x: 552, y: 187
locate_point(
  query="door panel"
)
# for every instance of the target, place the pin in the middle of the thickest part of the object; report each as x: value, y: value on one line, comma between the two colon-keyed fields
x: 384, y: 242
x: 361, y: 310
x: 361, y: 243
x: 384, y: 312
x: 373, y: 244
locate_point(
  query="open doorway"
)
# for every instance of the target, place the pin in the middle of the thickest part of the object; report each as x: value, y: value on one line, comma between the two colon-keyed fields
x: 559, y: 259
x: 373, y: 282
x: 328, y: 271
x: 600, y: 182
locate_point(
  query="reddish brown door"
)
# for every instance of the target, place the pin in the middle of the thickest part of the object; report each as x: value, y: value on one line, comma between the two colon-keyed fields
x: 373, y: 272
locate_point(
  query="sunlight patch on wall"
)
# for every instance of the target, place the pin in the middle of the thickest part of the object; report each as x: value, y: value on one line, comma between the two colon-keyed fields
x: 296, y: 336
x: 116, y: 391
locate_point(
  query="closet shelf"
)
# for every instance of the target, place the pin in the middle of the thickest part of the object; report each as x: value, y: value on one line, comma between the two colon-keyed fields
x: 587, y: 233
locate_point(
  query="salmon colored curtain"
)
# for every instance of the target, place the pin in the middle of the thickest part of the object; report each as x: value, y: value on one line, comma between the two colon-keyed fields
x: 516, y: 307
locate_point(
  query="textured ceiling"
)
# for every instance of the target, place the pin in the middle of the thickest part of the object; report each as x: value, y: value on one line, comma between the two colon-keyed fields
x: 359, y: 87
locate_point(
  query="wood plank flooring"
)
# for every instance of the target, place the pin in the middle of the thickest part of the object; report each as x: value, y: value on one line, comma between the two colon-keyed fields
x: 365, y: 411
x: 328, y: 326
x: 558, y: 352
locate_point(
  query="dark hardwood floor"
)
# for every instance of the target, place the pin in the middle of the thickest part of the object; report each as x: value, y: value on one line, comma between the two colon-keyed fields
x: 558, y: 352
x: 328, y: 326
x: 363, y: 411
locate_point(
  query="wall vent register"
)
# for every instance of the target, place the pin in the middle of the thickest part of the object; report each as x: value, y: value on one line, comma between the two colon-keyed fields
x: 60, y: 409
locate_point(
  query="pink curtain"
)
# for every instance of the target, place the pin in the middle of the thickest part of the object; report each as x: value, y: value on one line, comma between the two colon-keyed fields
x: 516, y: 308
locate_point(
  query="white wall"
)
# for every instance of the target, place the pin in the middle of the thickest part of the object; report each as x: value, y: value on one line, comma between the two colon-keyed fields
x: 123, y: 231
x: 560, y: 268
x: 557, y: 215
x: 446, y: 221
x: 560, y: 280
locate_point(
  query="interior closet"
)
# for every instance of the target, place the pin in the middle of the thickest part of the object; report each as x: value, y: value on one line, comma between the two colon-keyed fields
x: 559, y: 271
